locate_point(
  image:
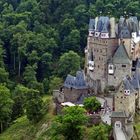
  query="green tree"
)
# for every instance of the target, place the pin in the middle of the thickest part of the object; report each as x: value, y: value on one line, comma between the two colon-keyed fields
x: 99, y: 5
x: 91, y: 104
x: 66, y: 26
x: 30, y: 78
x: 33, y: 57
x: 5, y: 107
x: 3, y: 73
x: 99, y: 132
x: 55, y: 83
x: 69, y: 63
x: 72, y: 41
x: 34, y: 106
x: 92, y: 11
x: 29, y: 75
x: 70, y: 124
x: 18, y: 96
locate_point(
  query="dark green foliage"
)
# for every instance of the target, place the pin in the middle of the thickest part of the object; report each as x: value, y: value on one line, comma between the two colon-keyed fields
x: 34, y: 106
x: 92, y: 104
x: 69, y: 63
x: 38, y: 32
x: 70, y: 124
x: 41, y: 40
x: 5, y: 107
x: 100, y: 132
x: 19, y: 95
x: 54, y: 84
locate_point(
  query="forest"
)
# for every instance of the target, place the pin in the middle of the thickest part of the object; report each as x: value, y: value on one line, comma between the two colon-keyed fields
x: 41, y: 41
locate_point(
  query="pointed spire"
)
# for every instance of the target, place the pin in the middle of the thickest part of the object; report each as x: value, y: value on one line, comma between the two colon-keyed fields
x: 121, y: 55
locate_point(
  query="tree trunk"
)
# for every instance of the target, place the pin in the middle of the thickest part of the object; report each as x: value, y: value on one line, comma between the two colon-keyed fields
x: 1, y: 126
x: 19, y: 65
x: 14, y: 61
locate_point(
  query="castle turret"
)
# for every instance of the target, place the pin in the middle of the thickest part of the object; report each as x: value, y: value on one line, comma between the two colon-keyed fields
x: 112, y: 25
x: 91, y: 27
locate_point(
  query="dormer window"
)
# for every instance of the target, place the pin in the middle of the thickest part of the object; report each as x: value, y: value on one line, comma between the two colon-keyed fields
x: 134, y: 34
x: 91, y: 65
x: 111, y: 69
x: 127, y: 92
x: 97, y: 34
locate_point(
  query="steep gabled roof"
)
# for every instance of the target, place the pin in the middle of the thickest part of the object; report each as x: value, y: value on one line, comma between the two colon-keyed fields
x: 91, y: 24
x: 128, y: 85
x: 125, y: 33
x: 77, y: 82
x: 136, y: 77
x: 121, y: 56
x: 138, y: 64
x: 103, y: 24
x: 135, y: 80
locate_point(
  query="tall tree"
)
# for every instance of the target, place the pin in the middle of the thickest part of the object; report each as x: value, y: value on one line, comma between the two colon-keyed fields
x: 71, y: 122
x: 5, y: 107
x: 99, y: 132
x: 18, y: 96
x: 69, y: 63
x: 92, y: 104
x: 34, y: 106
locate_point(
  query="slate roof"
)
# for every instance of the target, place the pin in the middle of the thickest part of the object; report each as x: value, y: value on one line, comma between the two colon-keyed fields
x: 125, y: 33
x: 135, y: 81
x: 91, y: 24
x: 127, y: 26
x: 103, y: 24
x: 136, y: 77
x: 134, y: 24
x: 121, y: 56
x: 77, y: 82
x: 121, y: 114
x: 128, y: 84
x: 138, y: 64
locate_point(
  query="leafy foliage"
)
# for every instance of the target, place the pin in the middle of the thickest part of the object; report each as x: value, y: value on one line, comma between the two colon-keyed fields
x: 34, y: 106
x: 70, y: 125
x: 103, y: 132
x: 92, y: 104
x: 5, y: 107
x: 69, y: 63
x: 41, y: 39
x: 55, y: 83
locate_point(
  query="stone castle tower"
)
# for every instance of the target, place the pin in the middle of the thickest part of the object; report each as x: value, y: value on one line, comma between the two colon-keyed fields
x: 112, y: 51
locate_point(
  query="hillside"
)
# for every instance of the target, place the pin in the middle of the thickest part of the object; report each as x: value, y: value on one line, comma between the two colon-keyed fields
x: 23, y: 129
x: 41, y: 41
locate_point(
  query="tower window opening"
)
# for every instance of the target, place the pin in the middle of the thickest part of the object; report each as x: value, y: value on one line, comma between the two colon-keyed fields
x: 124, y: 66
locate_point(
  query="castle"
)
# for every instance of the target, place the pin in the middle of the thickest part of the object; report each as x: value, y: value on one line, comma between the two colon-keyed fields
x: 112, y: 60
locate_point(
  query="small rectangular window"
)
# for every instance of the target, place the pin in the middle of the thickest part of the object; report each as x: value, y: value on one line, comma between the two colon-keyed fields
x: 124, y: 66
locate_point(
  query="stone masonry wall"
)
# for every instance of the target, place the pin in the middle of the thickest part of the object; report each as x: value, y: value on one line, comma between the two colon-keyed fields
x: 123, y: 102
x: 72, y: 95
x: 119, y: 73
x: 102, y: 50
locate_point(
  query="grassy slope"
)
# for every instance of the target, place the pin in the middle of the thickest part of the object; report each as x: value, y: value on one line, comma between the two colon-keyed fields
x: 22, y: 129
x: 137, y: 127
